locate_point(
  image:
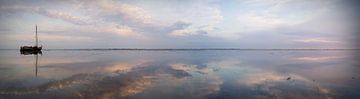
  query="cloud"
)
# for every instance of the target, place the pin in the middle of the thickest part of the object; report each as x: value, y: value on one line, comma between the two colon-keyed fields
x: 316, y: 40
x: 50, y: 37
x: 110, y: 11
x: 90, y: 23
x: 179, y: 25
x: 182, y: 32
x: 269, y: 14
x: 123, y: 31
x: 207, y: 30
x: 51, y: 14
x: 204, y: 16
x: 254, y: 22
x: 65, y: 16
x: 130, y: 12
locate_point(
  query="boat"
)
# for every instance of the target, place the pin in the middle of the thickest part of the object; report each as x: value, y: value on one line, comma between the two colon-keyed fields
x: 32, y: 49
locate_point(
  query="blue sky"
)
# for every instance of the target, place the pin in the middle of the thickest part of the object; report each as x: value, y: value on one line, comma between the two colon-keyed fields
x: 178, y: 23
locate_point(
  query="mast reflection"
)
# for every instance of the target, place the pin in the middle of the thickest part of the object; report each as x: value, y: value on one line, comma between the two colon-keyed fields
x: 36, y: 54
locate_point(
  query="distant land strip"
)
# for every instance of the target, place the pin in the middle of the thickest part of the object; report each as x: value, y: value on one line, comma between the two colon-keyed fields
x: 190, y: 49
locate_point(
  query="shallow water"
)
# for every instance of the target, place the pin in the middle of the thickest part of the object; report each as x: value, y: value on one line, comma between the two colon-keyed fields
x: 142, y: 74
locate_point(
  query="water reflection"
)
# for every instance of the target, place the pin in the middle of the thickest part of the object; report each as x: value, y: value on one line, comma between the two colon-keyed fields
x: 30, y: 52
x: 180, y: 74
x: 33, y: 53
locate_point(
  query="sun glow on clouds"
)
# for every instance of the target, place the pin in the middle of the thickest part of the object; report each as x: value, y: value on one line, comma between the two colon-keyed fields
x: 316, y: 40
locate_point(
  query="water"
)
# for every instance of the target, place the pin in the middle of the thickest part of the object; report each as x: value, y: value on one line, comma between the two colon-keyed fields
x: 190, y: 74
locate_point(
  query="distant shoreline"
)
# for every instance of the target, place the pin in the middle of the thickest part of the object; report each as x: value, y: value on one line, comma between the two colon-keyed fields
x: 185, y: 49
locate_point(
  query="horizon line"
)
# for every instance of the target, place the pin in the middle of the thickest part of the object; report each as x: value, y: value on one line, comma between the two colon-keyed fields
x: 197, y: 49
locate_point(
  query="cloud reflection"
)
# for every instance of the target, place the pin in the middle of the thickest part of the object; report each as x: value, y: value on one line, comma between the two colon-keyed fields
x: 171, y: 74
x: 135, y: 80
x: 319, y: 59
x: 278, y: 86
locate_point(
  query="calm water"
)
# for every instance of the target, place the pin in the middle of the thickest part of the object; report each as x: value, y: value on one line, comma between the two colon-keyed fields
x: 180, y: 74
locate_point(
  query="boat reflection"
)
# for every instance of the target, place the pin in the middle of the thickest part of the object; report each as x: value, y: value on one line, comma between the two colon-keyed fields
x: 36, y: 54
x: 30, y: 52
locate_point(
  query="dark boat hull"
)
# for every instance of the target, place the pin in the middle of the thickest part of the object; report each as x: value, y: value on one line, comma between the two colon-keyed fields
x: 26, y: 50
x: 30, y: 48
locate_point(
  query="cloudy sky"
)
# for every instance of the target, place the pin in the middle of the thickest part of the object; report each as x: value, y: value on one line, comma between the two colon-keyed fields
x: 178, y: 23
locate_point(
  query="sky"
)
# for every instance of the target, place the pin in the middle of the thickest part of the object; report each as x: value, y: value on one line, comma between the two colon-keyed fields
x: 179, y: 23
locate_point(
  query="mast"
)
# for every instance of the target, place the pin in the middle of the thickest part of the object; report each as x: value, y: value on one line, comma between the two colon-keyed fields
x: 36, y: 37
